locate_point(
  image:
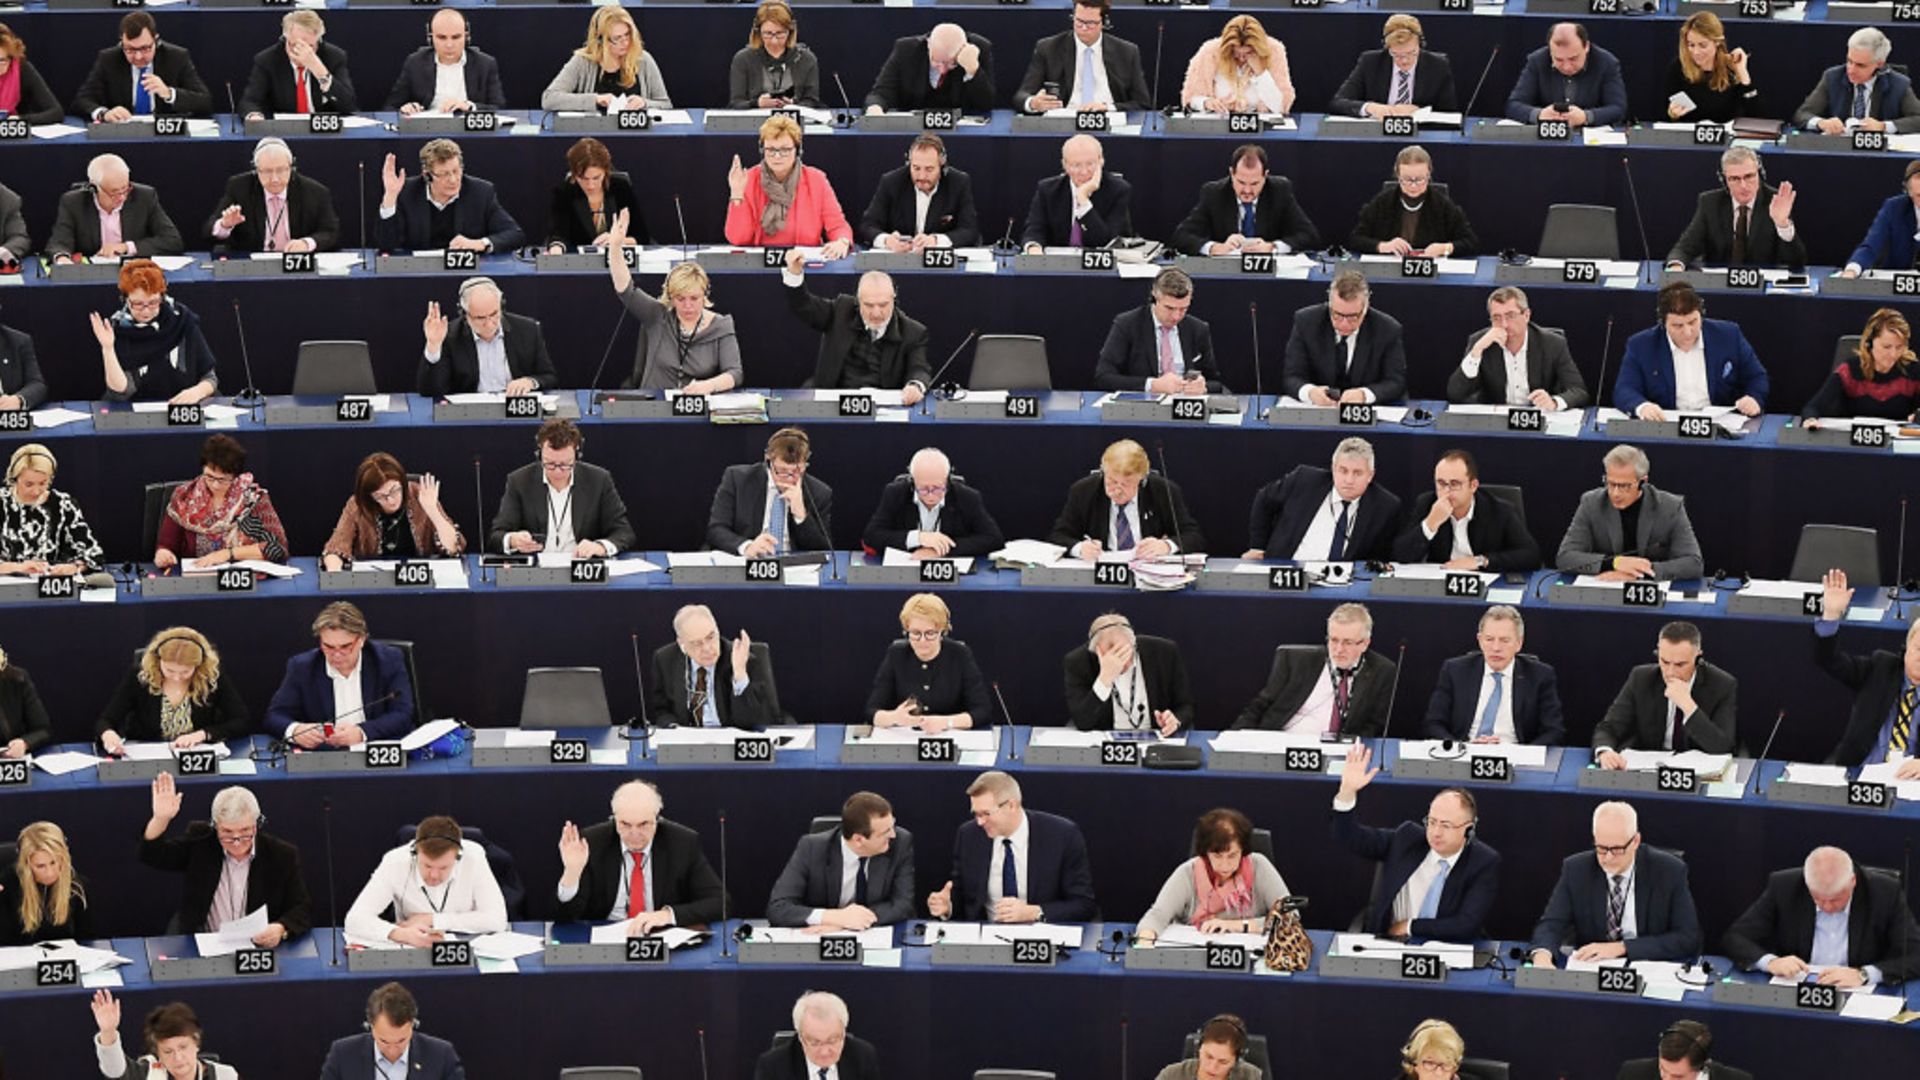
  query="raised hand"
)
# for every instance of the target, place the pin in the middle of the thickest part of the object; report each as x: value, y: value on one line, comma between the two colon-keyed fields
x: 1834, y: 596
x: 166, y: 800
x: 736, y: 180
x: 573, y: 849
x: 434, y: 326
x: 106, y: 1014
x: 391, y: 181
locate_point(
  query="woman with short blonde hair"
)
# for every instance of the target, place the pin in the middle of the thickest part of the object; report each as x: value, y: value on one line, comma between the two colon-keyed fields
x: 929, y: 680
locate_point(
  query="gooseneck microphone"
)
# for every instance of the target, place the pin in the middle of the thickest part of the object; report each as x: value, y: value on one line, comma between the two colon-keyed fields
x: 1475, y: 96
x: 1600, y: 387
x: 726, y: 940
x: 1386, y: 725
x: 1005, y: 245
x: 249, y: 396
x: 360, y: 188
x: 1755, y: 787
x: 1639, y: 221
x: 847, y: 113
x: 593, y: 387
x: 234, y: 110
x: 1013, y: 739
x: 333, y: 899
x: 1159, y: 43
x: 1253, y: 324
x: 1173, y: 504
x: 926, y: 400
x: 701, y: 1034
x: 638, y: 729
x: 686, y: 246
x: 1900, y: 560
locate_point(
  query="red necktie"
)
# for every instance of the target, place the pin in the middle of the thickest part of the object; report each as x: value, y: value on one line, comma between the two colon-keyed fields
x: 300, y: 104
x: 637, y: 886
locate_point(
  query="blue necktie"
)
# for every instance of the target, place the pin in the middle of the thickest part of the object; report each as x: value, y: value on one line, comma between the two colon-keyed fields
x: 1859, y: 102
x: 1087, y: 88
x: 1338, y: 548
x: 1246, y: 220
x: 1122, y: 531
x: 1430, y: 904
x: 777, y: 524
x: 1009, y: 874
x: 142, y: 101
x: 1492, y: 711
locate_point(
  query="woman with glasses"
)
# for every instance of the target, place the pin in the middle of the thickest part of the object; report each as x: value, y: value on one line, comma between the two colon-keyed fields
x: 684, y: 344
x: 1412, y: 217
x: 928, y: 681
x: 782, y: 203
x: 774, y: 70
x: 1226, y: 888
x: 172, y: 1033
x: 221, y: 516
x: 41, y: 897
x: 173, y: 694
x: 611, y: 66
x: 152, y: 348
x: 1433, y: 1052
x: 266, y: 870
x: 42, y: 531
x: 391, y: 516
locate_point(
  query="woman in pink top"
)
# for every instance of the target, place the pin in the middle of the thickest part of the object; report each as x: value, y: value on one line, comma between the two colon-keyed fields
x: 1243, y: 70
x: 783, y: 203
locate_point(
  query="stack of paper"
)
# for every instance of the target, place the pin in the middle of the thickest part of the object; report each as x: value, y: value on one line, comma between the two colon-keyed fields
x: 1184, y: 934
x: 896, y: 557
x: 962, y: 740
x: 737, y: 408
x: 506, y: 945
x: 1020, y: 553
x: 676, y: 937
x: 1800, y: 772
x: 233, y: 936
x: 1161, y: 575
x: 1708, y: 766
x: 1883, y: 774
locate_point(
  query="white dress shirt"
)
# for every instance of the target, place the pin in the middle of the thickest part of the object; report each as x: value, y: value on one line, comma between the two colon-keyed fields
x: 1690, y: 375
x: 1462, y: 547
x: 1406, y: 903
x: 1503, y: 728
x: 1131, y: 710
x: 1515, y: 361
x: 346, y: 695
x: 1317, y: 544
x: 1020, y: 838
x: 929, y: 520
x: 468, y: 902
x: 449, y: 82
x: 560, y: 518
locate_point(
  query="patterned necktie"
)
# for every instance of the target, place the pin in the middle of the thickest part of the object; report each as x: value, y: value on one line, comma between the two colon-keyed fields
x: 1087, y: 87
x: 701, y: 692
x: 860, y: 883
x: 1122, y: 531
x: 1430, y: 904
x: 777, y: 524
x: 1860, y: 102
x: 1741, y: 222
x: 1902, y: 733
x: 1492, y: 711
x: 1166, y: 351
x: 1616, y: 906
x: 142, y: 101
x: 1009, y: 874
x: 637, y: 886
x: 1342, y: 684
x: 1402, y: 88
x: 1338, y: 549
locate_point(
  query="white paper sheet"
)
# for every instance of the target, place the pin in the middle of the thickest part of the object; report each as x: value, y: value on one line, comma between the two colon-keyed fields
x: 676, y: 937
x: 878, y: 937
x: 1872, y: 1006
x: 424, y: 734
x: 1883, y: 774
x: 234, y: 936
x: 1276, y: 742
x: 962, y: 740
x: 1184, y: 934
x: 506, y: 945
x: 163, y: 751
x: 62, y: 762
x: 1801, y: 772
x: 1452, y: 954
x: 1698, y: 760
x: 56, y: 131
x: 56, y: 417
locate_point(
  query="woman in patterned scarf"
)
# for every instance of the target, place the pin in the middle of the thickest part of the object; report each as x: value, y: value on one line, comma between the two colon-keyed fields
x: 221, y: 516
x: 41, y: 530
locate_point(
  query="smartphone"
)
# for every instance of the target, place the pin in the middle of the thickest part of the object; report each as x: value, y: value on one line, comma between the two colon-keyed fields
x: 1051, y: 89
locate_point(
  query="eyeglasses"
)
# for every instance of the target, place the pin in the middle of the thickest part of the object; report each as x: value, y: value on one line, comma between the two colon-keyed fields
x: 923, y: 635
x: 1452, y: 485
x: 390, y: 493
x: 822, y: 1044
x: 212, y: 477
x: 558, y: 468
x: 444, y: 175
x: 1614, y: 851
x: 778, y: 151
x: 1444, y: 825
x: 1348, y: 643
x: 1436, y: 1066
x: 931, y: 490
x: 1087, y: 24
x: 982, y: 815
x: 138, y: 50
x: 237, y: 839
x: 1622, y: 485
x: 1414, y: 181
x: 1347, y: 317
x: 144, y: 305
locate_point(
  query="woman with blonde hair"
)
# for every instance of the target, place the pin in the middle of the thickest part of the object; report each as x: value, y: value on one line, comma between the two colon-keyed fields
x: 1243, y: 70
x: 42, y: 898
x: 173, y: 694
x: 612, y: 64
x: 782, y: 202
x: 684, y: 344
x: 928, y: 680
x: 1714, y: 77
x: 42, y: 530
x: 1433, y: 1052
x: 23, y: 719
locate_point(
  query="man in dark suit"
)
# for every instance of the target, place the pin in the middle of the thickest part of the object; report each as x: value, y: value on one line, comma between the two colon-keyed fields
x: 1344, y: 350
x: 486, y: 348
x: 687, y: 691
x: 1622, y: 900
x: 924, y: 203
x: 1341, y: 688
x: 1744, y: 222
x: 1662, y: 547
x: 443, y: 208
x: 274, y: 208
x: 1689, y: 361
x: 1122, y: 681
x: 945, y: 68
x: 1126, y: 507
x: 1686, y: 1049
x: 866, y: 341
x: 1679, y: 703
x: 14, y: 241
x: 142, y: 76
x: 1462, y: 528
x: 1087, y: 68
x: 931, y: 515
x: 849, y: 878
x: 1497, y: 694
x: 1084, y: 206
x: 1569, y: 78
x: 112, y: 217
x: 1822, y: 915
x: 1316, y: 515
x: 1890, y: 238
x: 1885, y: 685
x: 773, y: 507
x: 561, y: 503
x: 1158, y: 348
x: 1014, y: 865
x: 1436, y: 880
x: 393, y: 1035
x: 447, y: 75
x: 268, y: 866
x: 1247, y: 210
x: 600, y: 863
x: 21, y: 386
x: 348, y: 691
x: 1401, y: 76
x: 1864, y: 91
x: 820, y: 1045
x: 1533, y: 367
x: 300, y: 73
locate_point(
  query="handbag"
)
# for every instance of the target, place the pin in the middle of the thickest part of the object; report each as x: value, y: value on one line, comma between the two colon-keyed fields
x: 1288, y: 947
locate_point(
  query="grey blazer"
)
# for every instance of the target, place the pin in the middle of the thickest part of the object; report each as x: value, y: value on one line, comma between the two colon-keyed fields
x: 1665, y: 536
x: 657, y: 364
x: 573, y: 89
x: 13, y: 225
x: 1175, y: 902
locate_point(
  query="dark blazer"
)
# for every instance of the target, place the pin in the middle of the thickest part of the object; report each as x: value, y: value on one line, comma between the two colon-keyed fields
x: 1550, y: 367
x: 37, y: 103
x: 1880, y: 928
x: 1059, y: 877
x: 79, y: 924
x: 1646, y: 371
x: 22, y: 716
x: 1496, y: 531
x: 1472, y: 881
x: 274, y: 879
x: 110, y: 83
x: 309, y: 213
x: 1637, y: 719
x: 1598, y: 88
x: 1283, y: 511
x: 963, y: 518
x: 1892, y: 99
x: 902, y: 347
x: 746, y: 76
x: 76, y: 225
x: 1162, y: 668
x: 570, y: 220
x: 740, y: 505
x: 1441, y: 221
x: 14, y: 241
x: 1889, y: 240
x: 458, y: 371
x: 1131, y: 354
x: 1663, y: 914
x: 351, y: 1058
x: 951, y: 683
x: 1876, y: 680
x: 20, y: 368
x: 270, y: 86
x: 1532, y: 686
x: 1649, y: 1069
x: 1709, y: 236
x: 1296, y: 672
x: 788, y: 1061
x: 1057, y: 56
x: 1379, y: 362
x: 1277, y: 215
x: 1050, y: 215
x: 1664, y: 536
x: 1163, y: 513
x: 950, y: 208
x: 477, y: 214
x: 417, y: 76
x: 598, y: 512
x: 1372, y: 80
x: 668, y: 699
x: 811, y: 880
x: 682, y: 878
x: 305, y: 695
x: 134, y: 712
x: 902, y: 82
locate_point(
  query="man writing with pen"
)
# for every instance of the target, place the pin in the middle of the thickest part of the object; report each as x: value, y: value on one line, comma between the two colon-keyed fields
x: 439, y: 883
x: 348, y: 691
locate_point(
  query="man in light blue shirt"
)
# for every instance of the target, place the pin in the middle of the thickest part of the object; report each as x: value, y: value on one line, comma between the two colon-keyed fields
x: 1823, y: 922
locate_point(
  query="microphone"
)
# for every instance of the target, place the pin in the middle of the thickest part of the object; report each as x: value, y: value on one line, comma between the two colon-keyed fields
x: 1005, y: 245
x: 1906, y: 940
x: 701, y: 1034
x: 1699, y: 963
x: 1013, y: 743
x: 249, y: 396
x: 1253, y: 323
x: 1600, y: 387
x: 846, y: 113
x: 1159, y: 43
x: 1639, y: 221
x: 640, y: 683
x: 360, y: 189
x: 1173, y: 504
x: 926, y: 402
x: 1123, y: 1016
x: 686, y: 248
x: 1782, y: 715
x: 726, y: 942
x: 1900, y: 558
x: 813, y: 513
x: 233, y: 109
x: 1475, y: 96
x: 1399, y: 665
x: 333, y: 900
x: 593, y: 387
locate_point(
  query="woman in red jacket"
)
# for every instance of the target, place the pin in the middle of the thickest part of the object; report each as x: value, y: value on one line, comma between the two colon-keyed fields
x: 784, y: 203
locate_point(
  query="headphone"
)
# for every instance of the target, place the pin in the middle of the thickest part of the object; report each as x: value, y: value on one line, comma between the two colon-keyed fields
x: 473, y: 283
x: 934, y: 141
x: 1759, y: 163
x: 1112, y: 620
x: 1406, y: 1052
x: 268, y: 143
x: 1419, y: 31
x: 182, y: 637
x: 579, y: 437
x: 806, y: 445
x: 22, y: 457
x: 454, y: 838
x: 1699, y: 1049
x: 1239, y: 1027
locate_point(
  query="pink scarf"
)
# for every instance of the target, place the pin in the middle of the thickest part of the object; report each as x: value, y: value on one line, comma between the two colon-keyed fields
x: 1233, y: 900
x: 10, y: 88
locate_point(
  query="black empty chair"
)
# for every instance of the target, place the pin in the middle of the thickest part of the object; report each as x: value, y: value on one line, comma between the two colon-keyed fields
x: 158, y: 495
x: 420, y: 713
x: 601, y: 1072
x: 1850, y: 548
x: 1010, y: 362
x: 564, y: 697
x: 333, y: 368
x: 1579, y: 231
x: 1263, y: 842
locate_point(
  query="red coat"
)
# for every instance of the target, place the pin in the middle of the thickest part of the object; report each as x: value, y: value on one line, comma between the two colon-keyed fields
x: 815, y: 217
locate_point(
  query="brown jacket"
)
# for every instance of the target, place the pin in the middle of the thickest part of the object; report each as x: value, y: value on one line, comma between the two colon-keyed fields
x: 355, y: 535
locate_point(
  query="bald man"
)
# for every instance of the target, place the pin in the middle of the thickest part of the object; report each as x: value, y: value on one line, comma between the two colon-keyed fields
x: 1084, y: 206
x: 637, y: 867
x: 945, y: 68
x: 449, y: 74
x: 932, y: 515
x: 1824, y: 922
x: 273, y: 207
x: 866, y: 342
x: 707, y: 679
